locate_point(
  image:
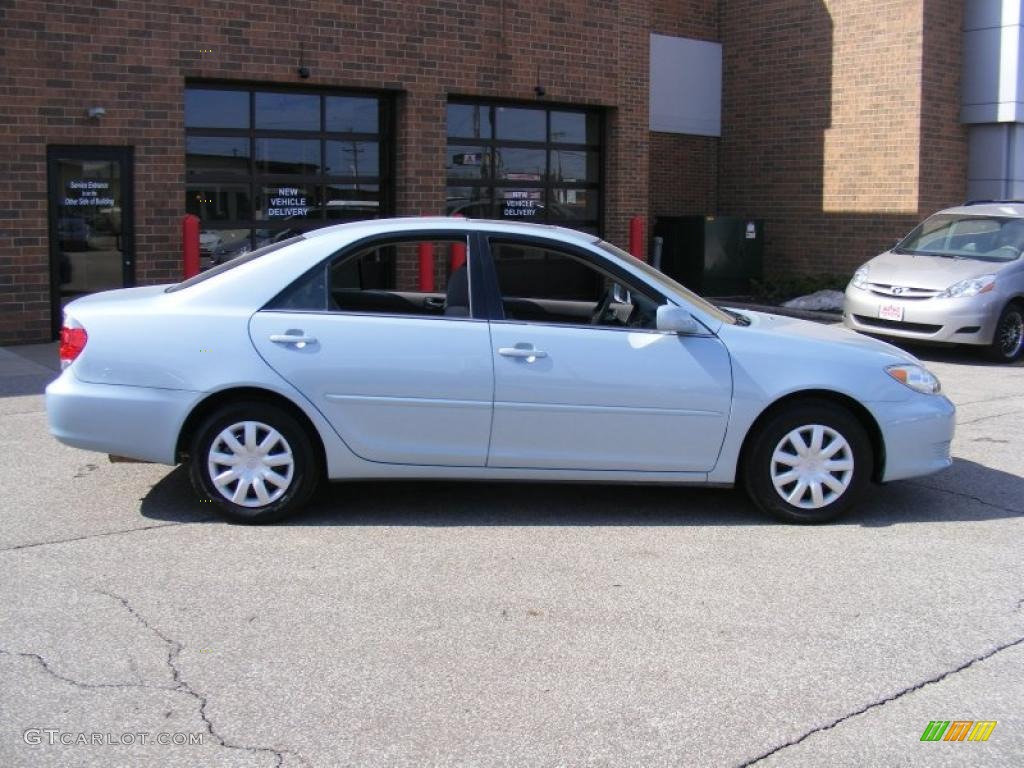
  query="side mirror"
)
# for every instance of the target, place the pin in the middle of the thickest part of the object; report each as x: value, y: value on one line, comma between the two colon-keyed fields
x: 676, y: 320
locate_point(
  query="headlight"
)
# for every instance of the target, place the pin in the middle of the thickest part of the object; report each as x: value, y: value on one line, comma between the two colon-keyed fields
x: 860, y: 277
x: 967, y: 288
x: 916, y: 377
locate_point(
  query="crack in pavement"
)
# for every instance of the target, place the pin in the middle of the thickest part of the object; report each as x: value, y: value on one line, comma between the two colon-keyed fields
x: 180, y: 685
x: 963, y: 495
x: 174, y: 649
x: 46, y: 667
x: 986, y: 418
x: 88, y: 536
x: 882, y: 702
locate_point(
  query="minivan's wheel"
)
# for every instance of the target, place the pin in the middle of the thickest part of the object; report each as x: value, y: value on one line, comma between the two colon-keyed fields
x: 255, y: 461
x: 1008, y: 341
x: 808, y: 463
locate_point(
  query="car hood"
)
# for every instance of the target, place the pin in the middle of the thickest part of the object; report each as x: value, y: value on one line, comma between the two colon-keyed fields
x: 930, y: 272
x: 837, y: 339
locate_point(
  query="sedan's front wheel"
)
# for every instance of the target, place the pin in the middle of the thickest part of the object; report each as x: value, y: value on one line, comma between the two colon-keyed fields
x: 255, y: 461
x: 808, y: 463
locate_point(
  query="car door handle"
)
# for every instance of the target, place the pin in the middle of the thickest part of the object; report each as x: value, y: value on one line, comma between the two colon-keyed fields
x: 289, y: 338
x: 432, y: 302
x: 525, y: 351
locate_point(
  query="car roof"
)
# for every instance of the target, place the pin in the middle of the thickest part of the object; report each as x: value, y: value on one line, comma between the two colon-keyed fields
x: 1012, y: 209
x: 369, y: 227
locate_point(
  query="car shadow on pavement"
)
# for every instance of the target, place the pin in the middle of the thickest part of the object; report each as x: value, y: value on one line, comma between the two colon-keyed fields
x: 970, y: 492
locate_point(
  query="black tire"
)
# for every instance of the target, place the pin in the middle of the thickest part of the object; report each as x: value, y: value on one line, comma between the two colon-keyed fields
x: 1008, y: 340
x: 758, y: 465
x: 305, y: 471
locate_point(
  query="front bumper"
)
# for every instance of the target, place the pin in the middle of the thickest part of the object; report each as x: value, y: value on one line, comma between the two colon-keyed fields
x: 135, y: 422
x: 951, y: 321
x: 917, y: 433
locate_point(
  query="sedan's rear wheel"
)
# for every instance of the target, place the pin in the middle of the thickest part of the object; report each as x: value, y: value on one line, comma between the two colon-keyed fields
x: 1008, y: 341
x: 808, y: 463
x: 255, y: 461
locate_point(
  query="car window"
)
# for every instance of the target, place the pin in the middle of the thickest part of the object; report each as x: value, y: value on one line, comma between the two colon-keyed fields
x: 544, y: 284
x: 220, y: 269
x: 412, y: 276
x: 988, y: 238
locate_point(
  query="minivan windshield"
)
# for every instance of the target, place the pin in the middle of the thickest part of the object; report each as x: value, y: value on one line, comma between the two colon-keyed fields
x: 987, y: 238
x: 671, y: 286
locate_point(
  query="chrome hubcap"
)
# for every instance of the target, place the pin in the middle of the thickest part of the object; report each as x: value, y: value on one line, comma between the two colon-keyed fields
x: 1011, y: 334
x: 251, y: 464
x: 812, y: 466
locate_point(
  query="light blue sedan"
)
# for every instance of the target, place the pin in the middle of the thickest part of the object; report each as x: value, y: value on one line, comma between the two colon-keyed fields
x: 476, y: 350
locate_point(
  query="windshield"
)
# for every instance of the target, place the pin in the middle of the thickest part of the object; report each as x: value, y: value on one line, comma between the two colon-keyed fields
x: 987, y: 238
x: 235, y: 262
x: 669, y: 285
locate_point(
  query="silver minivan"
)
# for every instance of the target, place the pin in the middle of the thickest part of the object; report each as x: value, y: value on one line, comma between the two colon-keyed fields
x: 958, y: 278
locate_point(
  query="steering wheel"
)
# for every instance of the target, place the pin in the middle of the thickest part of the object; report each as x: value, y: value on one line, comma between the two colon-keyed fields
x: 605, y: 304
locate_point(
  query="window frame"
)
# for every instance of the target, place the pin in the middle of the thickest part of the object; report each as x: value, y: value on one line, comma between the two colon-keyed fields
x: 478, y: 297
x: 596, y: 261
x: 489, y: 146
x: 320, y: 182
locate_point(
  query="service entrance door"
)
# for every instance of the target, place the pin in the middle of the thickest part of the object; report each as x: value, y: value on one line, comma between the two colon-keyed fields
x: 91, y: 229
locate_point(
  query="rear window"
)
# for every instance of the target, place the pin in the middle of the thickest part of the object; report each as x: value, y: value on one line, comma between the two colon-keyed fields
x: 236, y: 262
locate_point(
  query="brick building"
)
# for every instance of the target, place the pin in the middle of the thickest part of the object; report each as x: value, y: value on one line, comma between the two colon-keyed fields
x: 837, y: 122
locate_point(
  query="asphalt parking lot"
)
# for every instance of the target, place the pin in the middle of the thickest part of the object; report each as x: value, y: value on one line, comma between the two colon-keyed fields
x: 425, y: 624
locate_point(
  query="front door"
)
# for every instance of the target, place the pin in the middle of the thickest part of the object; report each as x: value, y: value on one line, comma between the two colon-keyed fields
x: 91, y: 223
x: 583, y: 380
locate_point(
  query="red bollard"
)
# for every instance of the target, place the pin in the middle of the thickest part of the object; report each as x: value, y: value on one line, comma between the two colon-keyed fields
x: 190, y: 245
x: 426, y: 254
x: 456, y: 252
x: 636, y: 238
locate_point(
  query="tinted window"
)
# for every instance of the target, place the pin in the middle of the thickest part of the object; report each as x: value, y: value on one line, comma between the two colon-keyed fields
x: 216, y: 109
x: 350, y: 114
x: 525, y: 171
x: 217, y: 155
x: 469, y: 121
x: 385, y: 280
x: 518, y: 124
x: 546, y: 285
x: 288, y: 111
x: 257, y: 184
x: 227, y: 266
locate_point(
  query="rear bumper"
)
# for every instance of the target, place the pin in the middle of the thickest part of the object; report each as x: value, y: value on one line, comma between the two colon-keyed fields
x: 950, y: 321
x: 917, y: 434
x: 134, y: 422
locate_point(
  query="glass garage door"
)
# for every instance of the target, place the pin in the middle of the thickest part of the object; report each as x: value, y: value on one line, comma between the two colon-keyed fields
x: 265, y: 164
x: 525, y: 163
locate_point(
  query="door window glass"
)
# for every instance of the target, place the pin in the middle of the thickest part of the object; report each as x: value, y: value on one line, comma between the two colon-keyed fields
x: 88, y: 208
x: 546, y: 285
x: 426, y: 278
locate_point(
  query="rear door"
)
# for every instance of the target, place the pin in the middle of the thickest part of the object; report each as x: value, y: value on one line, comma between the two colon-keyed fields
x: 401, y: 368
x: 583, y: 380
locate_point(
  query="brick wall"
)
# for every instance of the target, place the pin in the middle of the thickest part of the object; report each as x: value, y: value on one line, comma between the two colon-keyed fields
x: 683, y: 176
x: 133, y: 58
x: 840, y: 123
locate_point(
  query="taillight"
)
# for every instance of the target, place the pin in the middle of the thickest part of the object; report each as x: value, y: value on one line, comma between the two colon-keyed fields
x: 72, y: 342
